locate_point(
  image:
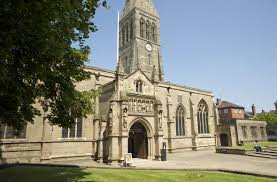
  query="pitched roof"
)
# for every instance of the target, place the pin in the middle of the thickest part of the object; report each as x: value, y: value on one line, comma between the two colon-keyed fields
x: 226, y: 104
x: 185, y: 87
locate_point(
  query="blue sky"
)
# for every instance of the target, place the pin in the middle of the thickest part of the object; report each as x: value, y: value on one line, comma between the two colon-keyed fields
x: 226, y: 46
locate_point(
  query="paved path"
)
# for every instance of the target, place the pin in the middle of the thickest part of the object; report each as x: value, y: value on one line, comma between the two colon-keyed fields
x: 208, y: 160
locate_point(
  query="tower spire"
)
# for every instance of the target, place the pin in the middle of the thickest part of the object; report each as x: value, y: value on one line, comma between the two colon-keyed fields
x: 140, y: 39
x: 145, y: 5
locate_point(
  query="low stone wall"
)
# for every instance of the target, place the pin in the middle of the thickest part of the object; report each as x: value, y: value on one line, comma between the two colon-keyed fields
x: 20, y: 153
x: 39, y: 152
x: 225, y: 150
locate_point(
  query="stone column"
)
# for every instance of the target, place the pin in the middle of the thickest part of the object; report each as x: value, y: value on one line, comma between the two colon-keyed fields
x: 194, y: 126
x: 100, y: 141
x: 124, y: 145
x: 170, y: 122
x: 158, y: 129
x: 150, y: 148
x: 124, y: 130
x: 114, y: 149
x: 46, y: 142
x: 114, y: 155
x: 96, y: 137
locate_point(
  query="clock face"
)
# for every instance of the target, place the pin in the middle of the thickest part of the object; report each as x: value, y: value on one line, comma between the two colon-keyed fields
x: 148, y: 47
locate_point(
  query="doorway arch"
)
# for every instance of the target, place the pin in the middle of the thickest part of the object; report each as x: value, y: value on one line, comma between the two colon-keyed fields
x: 224, y: 140
x: 138, y: 141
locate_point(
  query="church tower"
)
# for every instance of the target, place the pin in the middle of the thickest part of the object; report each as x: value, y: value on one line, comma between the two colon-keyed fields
x: 139, y: 39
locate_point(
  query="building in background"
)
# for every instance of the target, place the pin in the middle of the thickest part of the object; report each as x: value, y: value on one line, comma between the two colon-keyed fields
x: 236, y: 126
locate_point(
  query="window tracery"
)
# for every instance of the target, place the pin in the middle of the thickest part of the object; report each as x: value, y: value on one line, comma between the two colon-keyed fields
x: 142, y: 25
x: 180, y: 121
x: 153, y: 32
x: 147, y: 30
x: 202, y: 117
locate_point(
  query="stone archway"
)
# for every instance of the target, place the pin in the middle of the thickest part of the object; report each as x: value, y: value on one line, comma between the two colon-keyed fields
x: 138, y: 141
x: 224, y: 140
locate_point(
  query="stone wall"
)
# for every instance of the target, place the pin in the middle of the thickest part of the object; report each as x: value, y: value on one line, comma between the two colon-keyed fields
x: 20, y: 151
x: 236, y: 135
x: 44, y: 143
x: 248, y: 124
x: 189, y: 98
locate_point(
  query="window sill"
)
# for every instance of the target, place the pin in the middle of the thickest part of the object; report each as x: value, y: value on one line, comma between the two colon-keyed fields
x: 181, y: 137
x: 205, y: 136
x: 72, y: 139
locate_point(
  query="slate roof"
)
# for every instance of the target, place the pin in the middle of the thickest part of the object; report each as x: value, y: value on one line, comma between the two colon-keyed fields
x: 226, y: 104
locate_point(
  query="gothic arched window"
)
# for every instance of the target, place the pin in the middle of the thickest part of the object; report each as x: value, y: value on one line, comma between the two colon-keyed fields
x: 139, y: 86
x: 203, y: 117
x: 153, y: 32
x: 180, y: 121
x: 142, y: 25
x: 147, y: 30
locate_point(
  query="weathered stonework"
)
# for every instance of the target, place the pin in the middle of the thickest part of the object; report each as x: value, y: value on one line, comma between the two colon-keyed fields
x: 134, y: 95
x: 240, y: 131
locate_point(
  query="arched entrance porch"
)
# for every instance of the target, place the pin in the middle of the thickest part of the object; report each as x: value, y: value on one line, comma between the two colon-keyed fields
x: 138, y: 141
x: 224, y: 140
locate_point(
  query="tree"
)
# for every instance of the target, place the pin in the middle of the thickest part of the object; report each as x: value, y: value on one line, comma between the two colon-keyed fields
x: 39, y: 64
x: 271, y: 118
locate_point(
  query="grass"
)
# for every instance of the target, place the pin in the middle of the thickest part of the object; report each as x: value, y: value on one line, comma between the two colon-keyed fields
x: 262, y: 144
x: 250, y: 145
x: 53, y: 174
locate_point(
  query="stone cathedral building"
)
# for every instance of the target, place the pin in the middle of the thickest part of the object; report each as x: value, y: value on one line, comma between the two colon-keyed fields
x: 137, y: 112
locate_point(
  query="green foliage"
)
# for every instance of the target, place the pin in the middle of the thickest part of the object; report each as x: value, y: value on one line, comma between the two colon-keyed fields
x: 271, y: 118
x: 38, y: 62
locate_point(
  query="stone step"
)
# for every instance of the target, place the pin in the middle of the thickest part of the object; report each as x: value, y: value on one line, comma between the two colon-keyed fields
x: 267, y: 153
x: 270, y: 151
x: 262, y: 156
x: 272, y: 148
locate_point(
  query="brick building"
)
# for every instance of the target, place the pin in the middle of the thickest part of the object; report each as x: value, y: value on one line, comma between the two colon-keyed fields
x: 237, y: 126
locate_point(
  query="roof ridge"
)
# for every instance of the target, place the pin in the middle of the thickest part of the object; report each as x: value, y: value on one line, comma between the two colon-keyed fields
x: 224, y: 104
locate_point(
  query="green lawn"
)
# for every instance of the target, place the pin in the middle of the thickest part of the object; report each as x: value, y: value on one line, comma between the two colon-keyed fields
x: 52, y: 174
x: 262, y: 144
x: 250, y: 145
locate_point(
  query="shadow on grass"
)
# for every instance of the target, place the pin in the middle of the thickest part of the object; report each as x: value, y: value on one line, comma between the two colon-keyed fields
x: 42, y: 174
